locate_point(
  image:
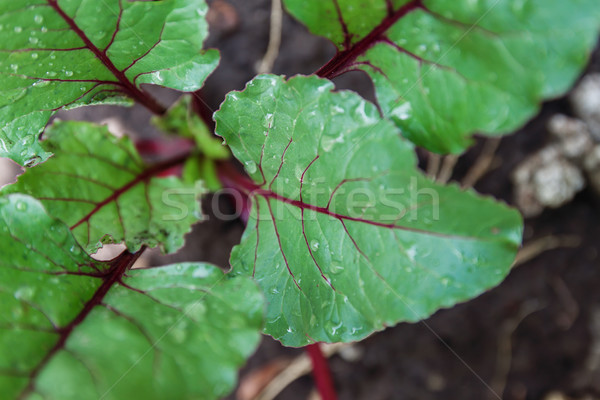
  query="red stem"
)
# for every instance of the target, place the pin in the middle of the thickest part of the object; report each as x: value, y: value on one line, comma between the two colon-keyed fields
x: 321, y: 372
x: 118, y: 267
x: 142, y: 177
x: 129, y: 88
x: 343, y: 59
x: 200, y: 107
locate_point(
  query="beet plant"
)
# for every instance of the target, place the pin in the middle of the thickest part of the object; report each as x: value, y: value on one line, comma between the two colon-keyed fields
x: 345, y: 235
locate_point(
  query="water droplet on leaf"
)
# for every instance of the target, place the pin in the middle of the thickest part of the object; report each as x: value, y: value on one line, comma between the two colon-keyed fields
x: 314, y: 245
x: 250, y: 167
x: 21, y: 205
x: 332, y: 327
x: 75, y: 250
x: 336, y: 268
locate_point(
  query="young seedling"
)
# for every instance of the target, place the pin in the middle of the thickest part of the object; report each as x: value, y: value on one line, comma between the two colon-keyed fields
x: 345, y: 235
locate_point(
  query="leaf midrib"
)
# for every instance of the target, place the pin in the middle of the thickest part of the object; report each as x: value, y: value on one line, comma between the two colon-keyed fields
x: 128, y: 87
x: 119, y: 266
x: 344, y: 58
x: 252, y: 189
x: 143, y: 176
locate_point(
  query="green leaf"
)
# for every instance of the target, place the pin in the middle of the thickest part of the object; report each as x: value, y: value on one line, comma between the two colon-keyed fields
x: 444, y: 70
x: 205, y: 169
x: 346, y: 236
x: 60, y: 54
x: 74, y: 328
x: 183, y: 121
x: 98, y: 185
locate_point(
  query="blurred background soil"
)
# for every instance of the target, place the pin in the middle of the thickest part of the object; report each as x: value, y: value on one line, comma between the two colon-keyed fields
x: 536, y: 336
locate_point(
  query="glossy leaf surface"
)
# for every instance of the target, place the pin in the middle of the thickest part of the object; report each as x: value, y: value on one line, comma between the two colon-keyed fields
x: 74, y: 328
x: 60, y: 54
x: 98, y: 185
x: 444, y: 70
x: 346, y: 236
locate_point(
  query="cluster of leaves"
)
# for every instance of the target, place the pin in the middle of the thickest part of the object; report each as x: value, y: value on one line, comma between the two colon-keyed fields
x: 76, y: 328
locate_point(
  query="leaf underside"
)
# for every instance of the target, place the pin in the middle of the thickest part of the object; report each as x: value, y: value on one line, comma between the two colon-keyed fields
x: 74, y: 328
x: 99, y: 186
x: 444, y: 70
x: 345, y: 236
x: 67, y: 53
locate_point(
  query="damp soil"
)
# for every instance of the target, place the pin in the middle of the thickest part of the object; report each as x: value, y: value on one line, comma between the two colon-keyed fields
x: 536, y: 333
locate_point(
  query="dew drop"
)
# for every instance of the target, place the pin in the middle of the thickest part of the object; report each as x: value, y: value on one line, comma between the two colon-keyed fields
x: 314, y: 245
x: 34, y: 55
x: 75, y: 250
x: 51, y: 73
x: 336, y: 268
x: 269, y: 119
x: 250, y: 166
x: 44, y: 29
x: 14, y: 67
x: 38, y: 19
x: 41, y: 83
x: 18, y: 29
x: 25, y: 293
x: 158, y: 77
x: 59, y: 233
x: 332, y: 327
x: 337, y: 110
x: 69, y: 73
x: 21, y: 206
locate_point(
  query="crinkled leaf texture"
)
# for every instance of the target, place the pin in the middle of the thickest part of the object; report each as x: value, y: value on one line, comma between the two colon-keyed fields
x: 444, y: 70
x: 74, y: 328
x: 98, y: 185
x: 59, y: 54
x: 346, y: 236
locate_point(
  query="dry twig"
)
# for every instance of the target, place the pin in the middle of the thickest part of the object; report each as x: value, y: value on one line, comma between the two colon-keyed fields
x: 265, y: 65
x: 447, y: 168
x: 482, y: 164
